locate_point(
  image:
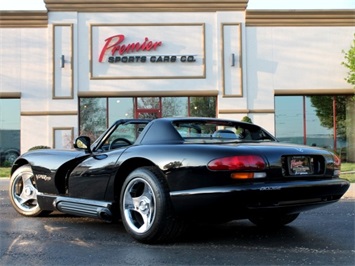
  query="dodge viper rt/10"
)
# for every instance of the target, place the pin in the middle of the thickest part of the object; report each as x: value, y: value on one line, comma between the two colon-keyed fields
x: 157, y: 176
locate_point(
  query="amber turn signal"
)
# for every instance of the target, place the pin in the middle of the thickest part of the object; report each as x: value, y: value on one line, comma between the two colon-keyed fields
x: 242, y: 175
x: 248, y: 175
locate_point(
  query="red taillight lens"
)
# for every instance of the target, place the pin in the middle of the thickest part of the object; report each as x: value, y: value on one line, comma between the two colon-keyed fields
x: 337, y: 162
x: 240, y: 162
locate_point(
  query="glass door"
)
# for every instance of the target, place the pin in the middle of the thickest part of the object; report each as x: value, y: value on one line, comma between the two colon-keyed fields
x: 148, y: 107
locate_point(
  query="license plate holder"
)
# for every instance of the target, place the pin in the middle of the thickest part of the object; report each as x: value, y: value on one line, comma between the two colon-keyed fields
x: 300, y: 165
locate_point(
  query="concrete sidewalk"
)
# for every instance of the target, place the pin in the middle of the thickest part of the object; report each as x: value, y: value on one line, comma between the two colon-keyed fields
x: 350, y: 194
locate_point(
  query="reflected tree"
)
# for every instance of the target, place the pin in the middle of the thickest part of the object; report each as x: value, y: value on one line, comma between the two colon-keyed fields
x: 324, y: 110
x: 203, y: 106
x: 92, y: 117
x: 174, y: 106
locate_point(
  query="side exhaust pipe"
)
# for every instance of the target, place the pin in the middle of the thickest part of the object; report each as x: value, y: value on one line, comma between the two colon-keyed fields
x: 84, y: 207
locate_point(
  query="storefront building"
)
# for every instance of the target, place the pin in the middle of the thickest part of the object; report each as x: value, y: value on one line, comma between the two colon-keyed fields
x: 77, y: 67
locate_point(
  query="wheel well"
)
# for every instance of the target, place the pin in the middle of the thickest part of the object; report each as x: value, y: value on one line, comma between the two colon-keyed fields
x: 18, y: 164
x: 125, y: 169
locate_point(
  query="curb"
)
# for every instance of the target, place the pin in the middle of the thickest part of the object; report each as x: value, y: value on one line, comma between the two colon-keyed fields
x: 350, y: 194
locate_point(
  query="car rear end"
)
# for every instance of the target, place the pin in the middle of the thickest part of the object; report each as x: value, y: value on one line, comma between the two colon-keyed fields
x: 255, y: 178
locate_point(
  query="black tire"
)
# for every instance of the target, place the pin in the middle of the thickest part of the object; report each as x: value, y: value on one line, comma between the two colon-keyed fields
x: 146, y: 210
x: 273, y: 221
x: 23, y: 192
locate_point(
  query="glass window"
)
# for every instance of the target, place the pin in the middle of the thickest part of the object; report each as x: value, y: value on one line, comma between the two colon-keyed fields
x: 318, y: 120
x: 122, y: 136
x: 221, y: 131
x: 203, y: 106
x: 148, y: 103
x: 9, y: 131
x: 93, y: 118
x: 119, y: 108
x: 174, y: 106
x: 96, y: 114
x: 289, y: 118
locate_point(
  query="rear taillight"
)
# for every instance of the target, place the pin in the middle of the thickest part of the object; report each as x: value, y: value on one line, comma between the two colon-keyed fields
x: 337, y: 162
x: 238, y: 163
x: 337, y: 165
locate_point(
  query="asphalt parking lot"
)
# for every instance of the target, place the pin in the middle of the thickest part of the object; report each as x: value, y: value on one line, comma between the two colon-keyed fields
x: 323, y: 236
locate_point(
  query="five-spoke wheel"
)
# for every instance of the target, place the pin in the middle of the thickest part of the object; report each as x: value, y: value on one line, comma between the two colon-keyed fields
x: 23, y: 192
x: 139, y: 205
x: 146, y: 210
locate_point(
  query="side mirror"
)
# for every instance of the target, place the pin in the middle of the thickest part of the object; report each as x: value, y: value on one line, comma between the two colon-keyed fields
x: 82, y: 143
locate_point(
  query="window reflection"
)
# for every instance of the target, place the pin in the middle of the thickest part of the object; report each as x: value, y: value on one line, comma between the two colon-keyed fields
x: 120, y: 108
x: 203, y: 106
x: 289, y: 119
x: 96, y: 114
x: 175, y: 106
x: 148, y: 103
x: 319, y: 121
x: 9, y: 131
x: 324, y: 121
x: 93, y: 118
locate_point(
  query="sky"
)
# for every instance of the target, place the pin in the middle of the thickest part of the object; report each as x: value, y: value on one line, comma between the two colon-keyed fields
x: 253, y: 4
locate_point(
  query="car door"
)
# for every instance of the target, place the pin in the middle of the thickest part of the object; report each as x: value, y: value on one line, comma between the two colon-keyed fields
x: 90, y: 178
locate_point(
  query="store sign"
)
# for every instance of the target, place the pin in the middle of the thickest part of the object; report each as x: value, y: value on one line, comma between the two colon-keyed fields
x: 115, y: 44
x: 169, y: 50
x: 118, y: 52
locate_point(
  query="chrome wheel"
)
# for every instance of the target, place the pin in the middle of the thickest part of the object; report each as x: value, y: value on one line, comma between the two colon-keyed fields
x: 23, y: 192
x: 146, y: 209
x: 139, y: 205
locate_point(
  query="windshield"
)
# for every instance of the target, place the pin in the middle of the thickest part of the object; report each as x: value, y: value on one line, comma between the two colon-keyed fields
x: 120, y: 135
x: 220, y: 131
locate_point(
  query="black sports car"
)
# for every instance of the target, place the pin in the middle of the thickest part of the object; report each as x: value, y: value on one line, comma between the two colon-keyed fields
x: 156, y: 176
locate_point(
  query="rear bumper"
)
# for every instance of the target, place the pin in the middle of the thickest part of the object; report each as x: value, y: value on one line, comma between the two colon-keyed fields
x: 241, y: 201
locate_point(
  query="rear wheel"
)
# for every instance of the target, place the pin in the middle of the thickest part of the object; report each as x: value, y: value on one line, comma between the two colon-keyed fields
x: 273, y: 221
x: 146, y: 210
x: 23, y: 192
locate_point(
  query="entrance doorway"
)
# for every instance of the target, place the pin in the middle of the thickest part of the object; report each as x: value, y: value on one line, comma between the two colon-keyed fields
x: 148, y: 107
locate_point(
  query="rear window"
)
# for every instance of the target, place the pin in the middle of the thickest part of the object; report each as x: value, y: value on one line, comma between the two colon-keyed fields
x: 220, y: 131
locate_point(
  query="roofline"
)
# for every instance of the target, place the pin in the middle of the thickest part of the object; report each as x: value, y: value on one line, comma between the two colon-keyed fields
x: 24, y: 19
x: 282, y: 18
x: 254, y: 18
x: 146, y: 6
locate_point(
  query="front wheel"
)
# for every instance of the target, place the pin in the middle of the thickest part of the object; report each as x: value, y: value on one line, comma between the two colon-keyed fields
x: 23, y: 192
x: 273, y: 221
x: 146, y: 210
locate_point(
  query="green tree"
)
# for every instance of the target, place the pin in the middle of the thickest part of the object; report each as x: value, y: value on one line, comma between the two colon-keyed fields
x: 350, y: 64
